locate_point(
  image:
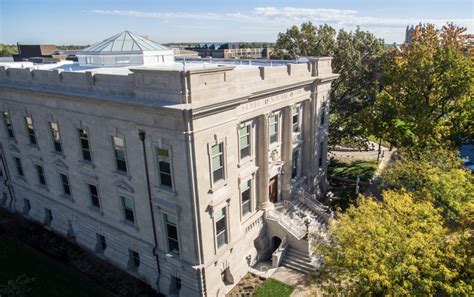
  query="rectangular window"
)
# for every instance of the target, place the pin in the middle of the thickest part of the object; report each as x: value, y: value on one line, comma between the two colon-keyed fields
x: 128, y: 211
x: 217, y: 155
x: 19, y: 167
x: 321, y: 150
x: 26, y: 206
x: 294, y: 163
x: 244, y: 135
x: 31, y: 130
x: 65, y: 184
x: 8, y: 124
x: 40, y: 172
x: 56, y: 137
x: 295, y: 120
x: 172, y: 233
x: 48, y: 217
x: 133, y: 260
x: 85, y: 146
x: 246, y: 194
x: 221, y: 227
x: 273, y: 128
x: 164, y: 167
x: 94, y: 195
x: 89, y: 60
x: 101, y: 244
x: 119, y: 149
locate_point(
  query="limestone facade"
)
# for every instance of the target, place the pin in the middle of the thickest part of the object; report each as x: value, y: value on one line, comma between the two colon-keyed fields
x: 166, y: 173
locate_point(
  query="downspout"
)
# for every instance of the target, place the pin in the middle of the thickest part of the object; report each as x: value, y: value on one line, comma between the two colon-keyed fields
x: 141, y: 135
x: 191, y: 155
x: 7, y: 180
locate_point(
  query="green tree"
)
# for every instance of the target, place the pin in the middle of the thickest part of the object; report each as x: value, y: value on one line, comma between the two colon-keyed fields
x: 427, y: 96
x: 437, y: 176
x: 397, y: 247
x: 356, y: 57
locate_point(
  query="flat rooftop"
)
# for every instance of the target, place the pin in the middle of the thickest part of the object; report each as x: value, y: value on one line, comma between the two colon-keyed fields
x: 181, y: 63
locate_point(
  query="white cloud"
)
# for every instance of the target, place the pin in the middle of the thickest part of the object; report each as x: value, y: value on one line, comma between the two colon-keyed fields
x: 290, y: 15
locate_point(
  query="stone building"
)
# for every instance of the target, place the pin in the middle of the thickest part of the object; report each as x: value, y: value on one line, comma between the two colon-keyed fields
x: 183, y: 175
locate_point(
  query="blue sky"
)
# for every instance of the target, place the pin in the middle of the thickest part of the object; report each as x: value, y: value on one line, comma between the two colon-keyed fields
x: 86, y: 21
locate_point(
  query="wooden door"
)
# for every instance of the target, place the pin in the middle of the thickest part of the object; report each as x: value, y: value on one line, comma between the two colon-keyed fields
x: 273, y: 189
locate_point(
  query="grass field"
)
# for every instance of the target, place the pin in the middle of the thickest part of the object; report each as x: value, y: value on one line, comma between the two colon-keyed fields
x: 51, y: 278
x: 273, y: 288
x: 364, y: 169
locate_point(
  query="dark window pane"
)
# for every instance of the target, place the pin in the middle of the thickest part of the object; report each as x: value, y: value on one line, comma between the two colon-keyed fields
x: 218, y: 174
x: 165, y: 167
x: 165, y: 180
x: 245, y: 152
x: 129, y: 216
x: 86, y: 155
x: 121, y: 165
x: 57, y: 147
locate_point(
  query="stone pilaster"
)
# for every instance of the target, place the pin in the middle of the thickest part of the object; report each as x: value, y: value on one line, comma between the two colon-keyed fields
x: 263, y: 156
x: 287, y: 151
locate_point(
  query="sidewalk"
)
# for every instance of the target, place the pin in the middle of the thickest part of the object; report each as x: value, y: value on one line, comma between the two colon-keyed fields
x: 298, y: 280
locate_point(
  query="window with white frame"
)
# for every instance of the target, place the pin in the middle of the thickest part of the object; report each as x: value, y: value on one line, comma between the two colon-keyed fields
x: 221, y: 227
x: 31, y: 130
x: 85, y: 145
x: 65, y: 184
x: 171, y: 223
x: 54, y: 128
x: 119, y: 152
x: 164, y: 167
x: 40, y: 174
x: 296, y: 119
x: 89, y: 60
x: 128, y: 209
x: 7, y: 119
x: 217, y: 159
x: 101, y: 244
x: 94, y: 196
x: 273, y: 128
x: 245, y: 196
x: 244, y: 137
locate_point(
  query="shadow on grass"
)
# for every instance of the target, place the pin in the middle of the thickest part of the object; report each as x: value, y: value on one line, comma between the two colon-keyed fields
x: 50, y: 277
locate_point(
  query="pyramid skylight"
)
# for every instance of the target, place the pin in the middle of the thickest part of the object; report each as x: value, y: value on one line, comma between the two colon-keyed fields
x: 125, y: 48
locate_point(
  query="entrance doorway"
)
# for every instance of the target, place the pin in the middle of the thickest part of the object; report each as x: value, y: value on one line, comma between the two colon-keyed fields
x: 276, y: 241
x: 273, y: 189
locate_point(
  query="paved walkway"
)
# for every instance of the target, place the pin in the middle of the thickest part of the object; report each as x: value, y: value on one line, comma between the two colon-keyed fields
x: 298, y: 280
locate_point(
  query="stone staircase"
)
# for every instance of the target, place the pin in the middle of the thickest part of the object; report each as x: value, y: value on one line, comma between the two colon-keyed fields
x: 299, y: 261
x: 292, y: 216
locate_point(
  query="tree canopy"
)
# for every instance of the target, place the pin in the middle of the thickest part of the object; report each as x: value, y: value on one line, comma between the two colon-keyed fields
x: 356, y: 57
x: 396, y: 247
x: 427, y: 96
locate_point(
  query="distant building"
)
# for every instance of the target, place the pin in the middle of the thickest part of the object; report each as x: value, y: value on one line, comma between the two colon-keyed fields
x: 409, y: 34
x: 182, y: 174
x: 232, y: 51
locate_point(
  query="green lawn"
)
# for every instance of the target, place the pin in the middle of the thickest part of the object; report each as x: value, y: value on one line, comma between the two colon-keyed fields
x: 51, y: 278
x: 273, y: 288
x: 364, y: 169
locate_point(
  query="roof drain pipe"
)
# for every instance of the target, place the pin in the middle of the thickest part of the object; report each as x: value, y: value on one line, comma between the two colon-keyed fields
x: 141, y: 134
